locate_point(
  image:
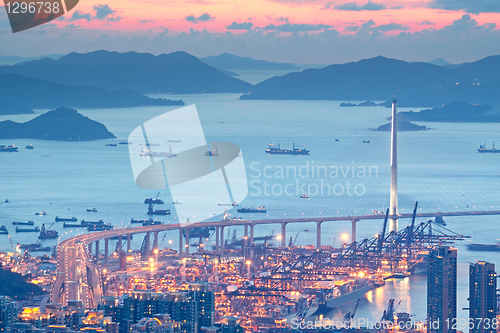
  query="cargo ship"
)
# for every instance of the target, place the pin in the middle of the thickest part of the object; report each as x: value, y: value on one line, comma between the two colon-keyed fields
x: 86, y: 223
x: 259, y: 209
x: 152, y: 211
x: 234, y: 204
x: 35, y: 229
x: 92, y: 210
x: 146, y: 152
x: 483, y: 247
x: 347, y: 291
x: 199, y: 232
x: 8, y: 149
x: 140, y: 221
x: 41, y: 213
x: 156, y: 200
x: 151, y: 222
x: 47, y: 234
x: 110, y: 144
x: 65, y: 219
x: 99, y: 227
x: 272, y: 149
x: 23, y: 223
x: 482, y: 149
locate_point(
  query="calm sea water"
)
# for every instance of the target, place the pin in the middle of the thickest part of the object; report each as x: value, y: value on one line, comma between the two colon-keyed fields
x: 440, y: 168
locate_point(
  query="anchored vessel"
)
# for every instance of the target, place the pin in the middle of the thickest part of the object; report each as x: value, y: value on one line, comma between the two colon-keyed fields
x: 65, y: 219
x: 3, y: 230
x: 483, y: 247
x: 272, y: 149
x: 35, y: 229
x: 259, y: 209
x: 152, y: 211
x: 47, y: 234
x: 7, y: 149
x: 482, y: 149
x: 23, y: 223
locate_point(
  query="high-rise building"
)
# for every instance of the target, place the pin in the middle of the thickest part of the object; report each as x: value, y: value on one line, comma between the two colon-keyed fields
x: 482, y: 297
x: 442, y: 290
x: 8, y: 312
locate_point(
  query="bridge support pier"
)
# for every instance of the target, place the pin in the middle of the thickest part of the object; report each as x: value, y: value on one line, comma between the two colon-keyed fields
x: 318, y: 235
x: 246, y: 236
x: 148, y: 244
x: 90, y: 249
x: 251, y: 241
x: 353, y: 230
x: 180, y: 243
x: 129, y: 243
x: 283, y: 235
x: 222, y: 240
x: 187, y: 241
x: 120, y: 246
x: 106, y: 251
x: 155, y: 240
x: 97, y: 250
x: 217, y: 245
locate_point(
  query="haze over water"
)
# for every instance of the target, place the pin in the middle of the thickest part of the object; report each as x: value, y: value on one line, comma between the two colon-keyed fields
x: 439, y: 168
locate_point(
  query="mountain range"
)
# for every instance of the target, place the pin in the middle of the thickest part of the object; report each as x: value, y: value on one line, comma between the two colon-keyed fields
x: 414, y: 84
x: 231, y: 61
x: 63, y: 124
x: 18, y: 93
x: 177, y: 72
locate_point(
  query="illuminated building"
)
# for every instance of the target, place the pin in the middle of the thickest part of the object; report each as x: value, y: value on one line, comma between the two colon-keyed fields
x: 8, y: 312
x: 442, y: 290
x: 482, y: 296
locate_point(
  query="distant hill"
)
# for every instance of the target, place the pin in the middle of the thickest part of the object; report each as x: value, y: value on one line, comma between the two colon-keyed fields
x: 414, y: 84
x: 231, y: 61
x: 9, y: 107
x: 21, y: 92
x: 10, y: 60
x: 62, y: 124
x: 15, y: 286
x: 439, y: 62
x: 455, y: 112
x: 177, y: 72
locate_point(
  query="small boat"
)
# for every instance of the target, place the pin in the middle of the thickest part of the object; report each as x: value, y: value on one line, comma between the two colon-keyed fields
x: 238, y: 218
x: 304, y: 196
x: 66, y: 219
x: 29, y: 147
x: 176, y: 202
x: 234, y: 204
x: 272, y: 149
x: 140, y: 221
x: 259, y: 209
x: 6, y: 200
x: 337, y: 140
x: 47, y: 234
x: 366, y: 141
x: 222, y: 121
x: 92, y: 210
x: 41, y: 213
x: 124, y: 143
x: 35, y: 229
x: 8, y: 149
x: 3, y: 230
x: 110, y: 144
x: 174, y: 140
x: 23, y: 223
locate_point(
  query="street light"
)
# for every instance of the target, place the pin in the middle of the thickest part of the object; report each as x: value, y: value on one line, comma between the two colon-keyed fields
x: 345, y: 237
x: 248, y: 262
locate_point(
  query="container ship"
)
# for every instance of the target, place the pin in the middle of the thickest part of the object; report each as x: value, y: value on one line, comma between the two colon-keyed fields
x: 272, y: 149
x: 23, y: 223
x: 8, y: 149
x: 483, y: 247
x: 65, y: 219
x: 259, y: 209
x: 35, y: 229
x: 482, y: 149
x: 152, y: 211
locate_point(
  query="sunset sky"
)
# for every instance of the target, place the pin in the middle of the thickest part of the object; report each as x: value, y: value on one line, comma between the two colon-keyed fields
x: 299, y: 31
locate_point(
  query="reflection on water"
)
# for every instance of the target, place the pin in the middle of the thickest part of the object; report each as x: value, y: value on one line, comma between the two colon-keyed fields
x: 410, y: 291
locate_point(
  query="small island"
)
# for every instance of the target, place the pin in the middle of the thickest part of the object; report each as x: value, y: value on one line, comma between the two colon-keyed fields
x: 367, y: 103
x: 456, y: 112
x: 403, y: 126
x: 61, y: 124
